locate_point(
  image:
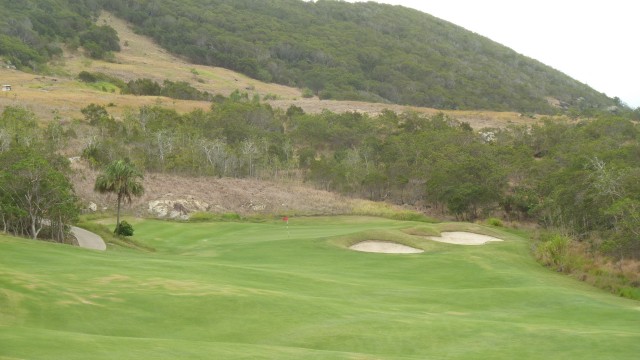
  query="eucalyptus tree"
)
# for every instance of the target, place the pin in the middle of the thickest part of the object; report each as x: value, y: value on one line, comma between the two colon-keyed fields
x: 34, y: 195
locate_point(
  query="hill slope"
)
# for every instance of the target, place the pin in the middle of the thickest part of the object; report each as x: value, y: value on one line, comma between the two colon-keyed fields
x: 361, y: 51
x: 63, y: 95
x: 338, y: 50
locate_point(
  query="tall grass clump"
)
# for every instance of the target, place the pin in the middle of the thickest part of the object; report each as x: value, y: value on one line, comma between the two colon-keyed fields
x: 563, y: 254
x: 384, y: 210
x: 552, y: 250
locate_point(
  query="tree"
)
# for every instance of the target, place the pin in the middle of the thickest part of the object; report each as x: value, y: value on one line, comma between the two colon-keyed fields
x: 123, y: 179
x: 34, y: 195
x: 99, y: 40
x: 19, y: 126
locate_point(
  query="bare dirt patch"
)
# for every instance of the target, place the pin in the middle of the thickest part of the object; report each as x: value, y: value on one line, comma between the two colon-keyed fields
x: 463, y: 238
x: 385, y: 247
x: 223, y: 195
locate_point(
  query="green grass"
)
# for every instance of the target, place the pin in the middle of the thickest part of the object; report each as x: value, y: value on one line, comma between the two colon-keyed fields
x: 104, y: 86
x: 234, y: 290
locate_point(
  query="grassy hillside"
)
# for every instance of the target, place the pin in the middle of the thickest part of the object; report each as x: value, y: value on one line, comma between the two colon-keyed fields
x: 242, y: 290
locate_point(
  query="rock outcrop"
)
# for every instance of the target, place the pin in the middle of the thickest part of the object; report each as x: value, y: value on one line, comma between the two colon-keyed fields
x: 176, y: 209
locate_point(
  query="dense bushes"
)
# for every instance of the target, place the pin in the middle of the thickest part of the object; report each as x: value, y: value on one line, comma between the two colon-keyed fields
x: 175, y: 90
x: 32, y: 32
x: 99, y: 40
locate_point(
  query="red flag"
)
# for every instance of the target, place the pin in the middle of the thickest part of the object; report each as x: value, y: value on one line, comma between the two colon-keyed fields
x: 285, y: 219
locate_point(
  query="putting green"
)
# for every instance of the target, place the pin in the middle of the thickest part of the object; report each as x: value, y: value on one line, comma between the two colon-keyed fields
x: 258, y: 291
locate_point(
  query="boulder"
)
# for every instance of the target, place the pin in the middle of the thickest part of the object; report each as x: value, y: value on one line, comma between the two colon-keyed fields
x: 176, y: 209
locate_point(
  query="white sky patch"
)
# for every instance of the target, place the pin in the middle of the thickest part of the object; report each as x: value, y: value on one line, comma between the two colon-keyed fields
x: 594, y: 42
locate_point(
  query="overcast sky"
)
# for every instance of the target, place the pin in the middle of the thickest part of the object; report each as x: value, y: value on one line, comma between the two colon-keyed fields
x: 593, y: 41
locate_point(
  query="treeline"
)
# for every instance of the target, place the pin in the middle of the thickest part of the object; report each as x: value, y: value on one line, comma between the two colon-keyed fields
x: 356, y: 51
x: 579, y: 177
x: 36, y: 199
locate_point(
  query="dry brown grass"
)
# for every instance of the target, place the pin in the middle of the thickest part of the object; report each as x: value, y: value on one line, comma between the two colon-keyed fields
x: 224, y: 195
x: 64, y: 96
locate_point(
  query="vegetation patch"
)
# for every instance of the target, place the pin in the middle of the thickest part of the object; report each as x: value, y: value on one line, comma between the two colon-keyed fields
x: 563, y: 254
x: 385, y: 210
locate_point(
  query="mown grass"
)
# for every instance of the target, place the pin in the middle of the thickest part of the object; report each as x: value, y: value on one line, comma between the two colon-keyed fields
x: 242, y: 290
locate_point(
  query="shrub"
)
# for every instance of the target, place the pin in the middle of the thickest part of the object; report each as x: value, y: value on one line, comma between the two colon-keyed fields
x: 495, y: 222
x: 87, y: 77
x: 553, y: 251
x: 307, y: 93
x: 124, y: 229
x: 99, y: 41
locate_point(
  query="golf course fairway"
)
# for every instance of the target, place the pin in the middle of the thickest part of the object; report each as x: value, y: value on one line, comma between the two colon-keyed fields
x: 233, y: 290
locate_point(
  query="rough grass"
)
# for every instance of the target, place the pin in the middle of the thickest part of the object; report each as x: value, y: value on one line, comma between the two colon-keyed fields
x: 235, y: 290
x: 577, y: 259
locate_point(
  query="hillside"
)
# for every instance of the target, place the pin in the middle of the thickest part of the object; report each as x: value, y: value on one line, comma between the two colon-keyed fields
x: 335, y: 50
x: 359, y: 51
x: 63, y: 95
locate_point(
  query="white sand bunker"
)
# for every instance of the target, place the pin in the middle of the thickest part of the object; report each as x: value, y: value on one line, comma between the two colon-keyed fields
x: 384, y: 247
x: 463, y: 238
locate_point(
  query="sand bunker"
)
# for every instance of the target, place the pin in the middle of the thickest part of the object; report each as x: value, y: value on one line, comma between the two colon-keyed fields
x: 384, y: 247
x: 463, y: 238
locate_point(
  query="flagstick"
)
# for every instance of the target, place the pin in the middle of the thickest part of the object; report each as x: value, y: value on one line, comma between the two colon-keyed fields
x: 286, y: 219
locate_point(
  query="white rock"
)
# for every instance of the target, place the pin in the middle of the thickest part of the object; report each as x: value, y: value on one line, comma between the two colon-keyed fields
x: 176, y: 209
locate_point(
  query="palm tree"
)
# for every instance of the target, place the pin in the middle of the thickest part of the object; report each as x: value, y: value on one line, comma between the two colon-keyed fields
x: 121, y: 178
